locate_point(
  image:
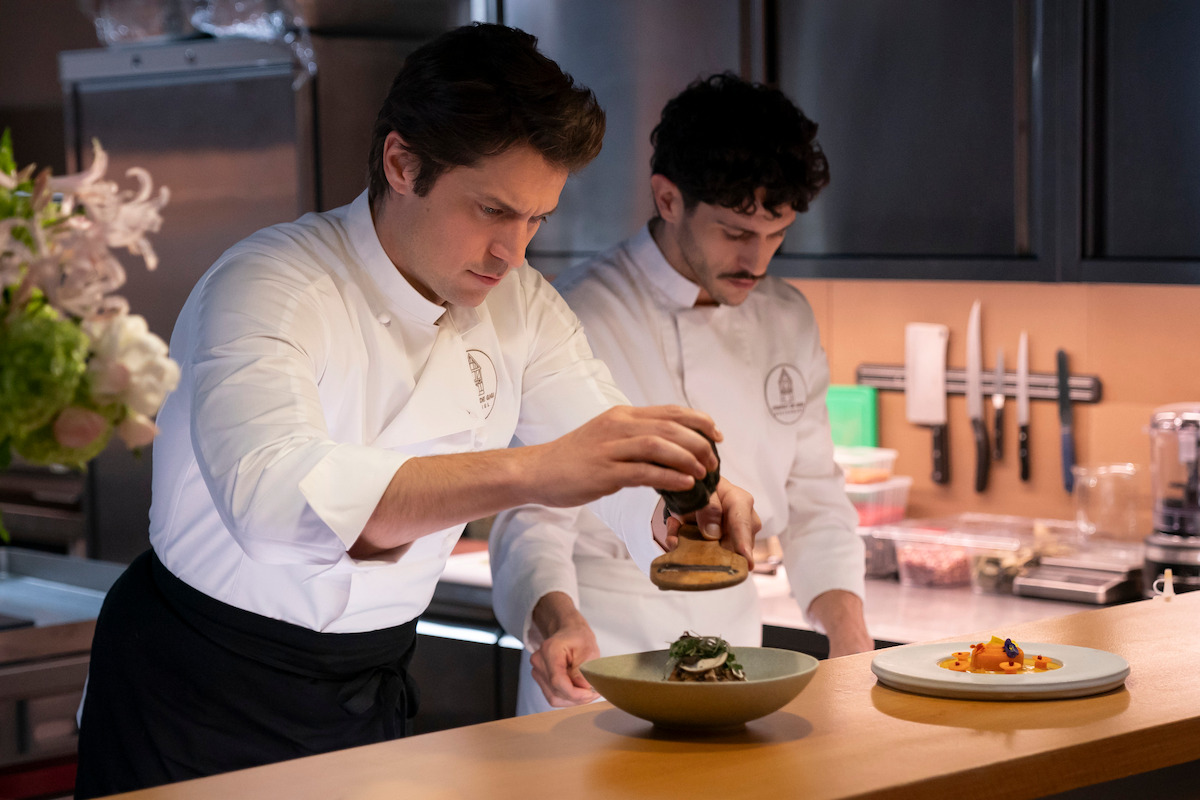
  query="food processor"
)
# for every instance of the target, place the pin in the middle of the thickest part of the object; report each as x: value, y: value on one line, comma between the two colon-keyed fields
x: 1175, y: 485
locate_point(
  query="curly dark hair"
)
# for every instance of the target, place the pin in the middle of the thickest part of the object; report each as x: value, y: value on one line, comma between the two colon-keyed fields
x: 722, y: 138
x: 477, y: 91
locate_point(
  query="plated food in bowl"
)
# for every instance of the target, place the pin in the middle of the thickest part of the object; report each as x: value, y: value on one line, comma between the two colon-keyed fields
x: 637, y: 684
x: 693, y: 658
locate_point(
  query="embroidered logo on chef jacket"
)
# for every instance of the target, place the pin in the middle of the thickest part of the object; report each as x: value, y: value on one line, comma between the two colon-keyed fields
x: 483, y: 373
x: 786, y: 393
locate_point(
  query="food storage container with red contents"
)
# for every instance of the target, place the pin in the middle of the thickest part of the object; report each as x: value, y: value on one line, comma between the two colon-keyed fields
x: 881, y: 502
x: 984, y: 550
x: 865, y: 464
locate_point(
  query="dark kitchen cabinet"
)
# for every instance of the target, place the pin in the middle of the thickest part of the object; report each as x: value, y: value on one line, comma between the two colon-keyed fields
x: 1030, y: 140
x: 1141, y: 141
x: 929, y: 114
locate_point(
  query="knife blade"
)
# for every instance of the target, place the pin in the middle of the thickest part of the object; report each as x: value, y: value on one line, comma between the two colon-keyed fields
x: 998, y: 407
x: 975, y: 398
x: 1023, y: 404
x: 925, y: 387
x: 1066, y: 420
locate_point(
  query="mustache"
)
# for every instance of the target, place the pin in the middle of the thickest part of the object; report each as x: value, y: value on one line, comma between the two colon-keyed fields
x: 742, y: 276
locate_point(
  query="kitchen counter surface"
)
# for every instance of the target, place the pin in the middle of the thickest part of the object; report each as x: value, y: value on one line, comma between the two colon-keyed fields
x: 844, y: 736
x: 894, y: 613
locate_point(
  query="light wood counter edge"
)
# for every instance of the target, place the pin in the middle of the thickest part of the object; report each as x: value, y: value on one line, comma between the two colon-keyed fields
x: 843, y: 737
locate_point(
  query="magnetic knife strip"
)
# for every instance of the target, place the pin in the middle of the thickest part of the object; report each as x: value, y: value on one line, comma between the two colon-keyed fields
x: 1042, y: 385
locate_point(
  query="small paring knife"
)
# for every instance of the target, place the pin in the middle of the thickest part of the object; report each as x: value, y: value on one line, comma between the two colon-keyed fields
x: 1023, y: 404
x: 1066, y: 421
x: 975, y: 398
x: 998, y: 407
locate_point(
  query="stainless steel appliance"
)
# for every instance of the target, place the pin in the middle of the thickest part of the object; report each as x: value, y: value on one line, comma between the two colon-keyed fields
x: 1175, y: 485
x: 1099, y: 572
x: 635, y: 56
x: 243, y: 139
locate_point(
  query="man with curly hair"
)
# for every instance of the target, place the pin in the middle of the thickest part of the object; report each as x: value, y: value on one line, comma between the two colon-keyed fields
x: 684, y: 312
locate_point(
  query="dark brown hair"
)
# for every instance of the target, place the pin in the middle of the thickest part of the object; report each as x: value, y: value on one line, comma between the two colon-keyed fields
x: 723, y: 138
x: 477, y: 91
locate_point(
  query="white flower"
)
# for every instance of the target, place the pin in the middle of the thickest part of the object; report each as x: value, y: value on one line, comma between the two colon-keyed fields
x: 57, y: 244
x: 129, y: 363
x: 73, y: 265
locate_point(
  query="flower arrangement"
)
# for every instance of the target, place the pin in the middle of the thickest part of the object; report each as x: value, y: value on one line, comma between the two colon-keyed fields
x: 75, y: 365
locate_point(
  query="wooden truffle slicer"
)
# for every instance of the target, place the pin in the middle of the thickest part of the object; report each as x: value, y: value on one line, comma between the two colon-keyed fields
x: 698, y: 564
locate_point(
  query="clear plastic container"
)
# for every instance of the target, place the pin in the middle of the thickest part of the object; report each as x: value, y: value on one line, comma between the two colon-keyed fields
x: 882, y: 502
x: 984, y: 550
x: 865, y: 464
x: 879, y: 554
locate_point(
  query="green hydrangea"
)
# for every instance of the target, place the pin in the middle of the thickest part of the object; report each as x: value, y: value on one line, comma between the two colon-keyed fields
x: 40, y: 447
x: 43, y: 358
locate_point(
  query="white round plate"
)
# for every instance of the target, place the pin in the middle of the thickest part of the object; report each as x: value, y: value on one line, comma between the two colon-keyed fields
x: 1084, y: 671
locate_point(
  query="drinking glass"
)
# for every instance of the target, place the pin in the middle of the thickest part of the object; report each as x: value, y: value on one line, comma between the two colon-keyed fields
x: 1106, y: 501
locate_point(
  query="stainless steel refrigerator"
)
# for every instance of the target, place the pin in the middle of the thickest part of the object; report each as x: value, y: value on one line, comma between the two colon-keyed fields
x: 242, y: 139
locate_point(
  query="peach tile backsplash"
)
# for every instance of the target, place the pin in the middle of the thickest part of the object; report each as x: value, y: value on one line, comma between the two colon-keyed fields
x: 1137, y: 339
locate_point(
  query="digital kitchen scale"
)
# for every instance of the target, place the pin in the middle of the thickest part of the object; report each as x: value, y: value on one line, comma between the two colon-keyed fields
x: 1077, y: 584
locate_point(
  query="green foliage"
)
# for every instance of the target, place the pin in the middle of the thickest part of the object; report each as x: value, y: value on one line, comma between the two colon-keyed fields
x: 8, y: 163
x: 689, y: 648
x: 43, y: 358
x: 40, y: 447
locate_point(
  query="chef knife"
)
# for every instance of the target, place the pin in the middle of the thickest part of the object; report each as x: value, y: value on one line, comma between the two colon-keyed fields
x: 975, y: 398
x: 998, y: 407
x: 925, y: 387
x: 1023, y: 404
x: 1066, y: 421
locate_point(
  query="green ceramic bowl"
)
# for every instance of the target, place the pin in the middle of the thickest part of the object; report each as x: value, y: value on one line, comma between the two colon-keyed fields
x: 636, y: 684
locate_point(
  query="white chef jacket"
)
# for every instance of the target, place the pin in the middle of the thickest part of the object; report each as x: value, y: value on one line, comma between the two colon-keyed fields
x: 759, y: 370
x: 311, y: 370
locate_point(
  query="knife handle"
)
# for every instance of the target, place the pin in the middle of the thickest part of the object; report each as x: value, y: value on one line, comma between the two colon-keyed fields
x: 1068, y: 459
x: 998, y: 442
x: 941, y: 456
x: 1023, y: 450
x: 983, y: 458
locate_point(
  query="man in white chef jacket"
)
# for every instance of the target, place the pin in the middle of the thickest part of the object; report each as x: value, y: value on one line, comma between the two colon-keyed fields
x: 350, y: 385
x: 683, y: 312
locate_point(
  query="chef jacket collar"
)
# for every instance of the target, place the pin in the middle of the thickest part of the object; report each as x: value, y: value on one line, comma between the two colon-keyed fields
x: 673, y: 290
x: 398, y: 293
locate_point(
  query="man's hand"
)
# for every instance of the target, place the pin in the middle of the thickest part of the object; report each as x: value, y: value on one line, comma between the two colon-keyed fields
x: 840, y: 613
x: 567, y: 642
x: 729, y: 516
x: 654, y: 446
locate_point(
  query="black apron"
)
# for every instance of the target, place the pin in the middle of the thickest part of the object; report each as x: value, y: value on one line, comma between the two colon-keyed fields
x: 182, y: 685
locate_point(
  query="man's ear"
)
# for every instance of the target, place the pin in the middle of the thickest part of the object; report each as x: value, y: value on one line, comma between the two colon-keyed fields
x: 400, y: 165
x: 667, y: 198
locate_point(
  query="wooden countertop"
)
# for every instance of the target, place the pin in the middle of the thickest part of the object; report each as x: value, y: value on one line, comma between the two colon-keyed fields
x: 843, y: 737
